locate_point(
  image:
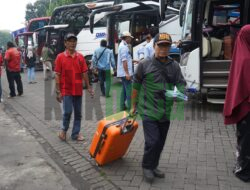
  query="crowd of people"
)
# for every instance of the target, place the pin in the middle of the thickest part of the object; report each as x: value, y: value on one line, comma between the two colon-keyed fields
x: 142, y: 90
x: 71, y: 68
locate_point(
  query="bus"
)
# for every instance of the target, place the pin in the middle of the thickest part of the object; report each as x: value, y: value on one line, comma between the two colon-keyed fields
x: 75, y: 18
x: 209, y: 31
x: 26, y: 39
x: 138, y: 18
x: 36, y: 23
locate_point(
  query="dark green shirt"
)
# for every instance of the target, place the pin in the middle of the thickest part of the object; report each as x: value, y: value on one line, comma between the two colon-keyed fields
x: 152, y: 80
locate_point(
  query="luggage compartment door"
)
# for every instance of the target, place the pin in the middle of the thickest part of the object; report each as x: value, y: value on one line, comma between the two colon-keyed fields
x: 190, y: 68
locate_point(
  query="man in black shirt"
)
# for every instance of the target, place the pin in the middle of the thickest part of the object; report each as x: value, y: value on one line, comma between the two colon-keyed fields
x: 154, y: 76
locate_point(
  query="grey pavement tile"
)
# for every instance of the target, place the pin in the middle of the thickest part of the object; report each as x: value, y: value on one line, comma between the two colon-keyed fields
x: 197, y: 152
x: 206, y: 187
x: 115, y: 177
x: 88, y: 172
x: 109, y: 187
x: 136, y: 181
x: 144, y: 186
x: 76, y: 161
x: 121, y: 183
x: 129, y: 188
x: 73, y: 158
x: 129, y: 175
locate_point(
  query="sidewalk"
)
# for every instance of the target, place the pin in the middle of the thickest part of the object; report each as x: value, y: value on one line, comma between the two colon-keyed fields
x: 23, y: 163
x: 198, y: 154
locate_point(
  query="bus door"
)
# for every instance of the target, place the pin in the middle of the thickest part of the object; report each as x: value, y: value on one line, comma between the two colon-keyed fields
x: 138, y: 23
x: 24, y: 41
x: 54, y: 35
x: 137, y: 18
x: 190, y: 47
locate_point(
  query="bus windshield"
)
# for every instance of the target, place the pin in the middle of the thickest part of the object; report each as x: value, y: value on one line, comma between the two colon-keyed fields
x: 35, y: 24
x: 75, y: 17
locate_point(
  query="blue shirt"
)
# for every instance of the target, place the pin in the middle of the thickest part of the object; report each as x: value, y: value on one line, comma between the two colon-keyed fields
x: 107, y: 58
x: 149, y: 50
x: 140, y: 52
x: 124, y: 55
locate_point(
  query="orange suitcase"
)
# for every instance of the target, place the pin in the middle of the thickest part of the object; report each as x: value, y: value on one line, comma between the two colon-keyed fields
x: 112, y: 137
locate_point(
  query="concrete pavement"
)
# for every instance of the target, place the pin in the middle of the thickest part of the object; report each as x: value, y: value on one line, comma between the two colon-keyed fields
x: 24, y: 165
x: 199, y: 152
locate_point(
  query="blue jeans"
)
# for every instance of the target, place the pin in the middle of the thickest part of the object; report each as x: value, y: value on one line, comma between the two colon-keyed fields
x: 70, y: 102
x: 31, y: 74
x: 0, y: 89
x: 126, y: 93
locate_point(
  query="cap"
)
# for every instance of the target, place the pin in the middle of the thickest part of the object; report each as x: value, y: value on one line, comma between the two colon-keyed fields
x: 70, y: 35
x: 162, y: 38
x: 127, y: 34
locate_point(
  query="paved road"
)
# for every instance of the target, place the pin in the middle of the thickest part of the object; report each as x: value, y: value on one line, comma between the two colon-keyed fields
x: 24, y: 165
x: 198, y: 155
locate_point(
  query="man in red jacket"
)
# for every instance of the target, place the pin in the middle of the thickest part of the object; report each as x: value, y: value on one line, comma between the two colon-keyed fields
x: 13, y: 58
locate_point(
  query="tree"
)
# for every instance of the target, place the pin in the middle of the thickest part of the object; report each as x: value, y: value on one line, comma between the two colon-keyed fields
x: 5, y: 36
x: 43, y: 8
x: 57, y: 3
x: 30, y: 12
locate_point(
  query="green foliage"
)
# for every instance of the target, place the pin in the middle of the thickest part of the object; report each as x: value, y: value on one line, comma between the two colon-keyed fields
x: 43, y: 8
x: 57, y: 3
x: 5, y: 36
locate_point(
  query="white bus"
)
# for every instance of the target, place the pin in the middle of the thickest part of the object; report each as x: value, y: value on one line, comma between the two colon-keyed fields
x: 138, y: 18
x: 75, y: 18
x: 209, y: 31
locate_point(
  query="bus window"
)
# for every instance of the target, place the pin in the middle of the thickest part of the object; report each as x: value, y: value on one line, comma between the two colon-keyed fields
x: 101, y: 23
x: 76, y: 17
x: 143, y: 24
x: 20, y: 41
x: 120, y: 27
x: 30, y: 41
x: 188, y: 21
x: 123, y: 26
x: 37, y: 24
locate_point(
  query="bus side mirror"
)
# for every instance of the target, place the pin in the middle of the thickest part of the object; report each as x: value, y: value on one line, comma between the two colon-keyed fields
x: 182, y: 13
x: 162, y: 9
x: 91, y: 22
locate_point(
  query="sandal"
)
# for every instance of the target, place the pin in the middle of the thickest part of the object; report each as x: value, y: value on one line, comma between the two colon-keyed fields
x: 79, y: 138
x: 62, y: 135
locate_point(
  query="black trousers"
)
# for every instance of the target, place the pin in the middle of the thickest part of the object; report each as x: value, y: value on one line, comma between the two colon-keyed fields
x: 155, y: 134
x: 13, y: 77
x: 242, y: 169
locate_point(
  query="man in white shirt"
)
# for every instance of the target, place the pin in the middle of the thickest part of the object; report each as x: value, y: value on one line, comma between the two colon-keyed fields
x: 149, y: 49
x: 125, y: 69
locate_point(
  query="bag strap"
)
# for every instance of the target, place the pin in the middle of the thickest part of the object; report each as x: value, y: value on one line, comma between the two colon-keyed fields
x: 100, y: 56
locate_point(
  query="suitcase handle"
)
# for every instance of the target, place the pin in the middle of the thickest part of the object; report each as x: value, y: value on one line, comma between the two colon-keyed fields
x: 103, y: 136
x: 128, y: 124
